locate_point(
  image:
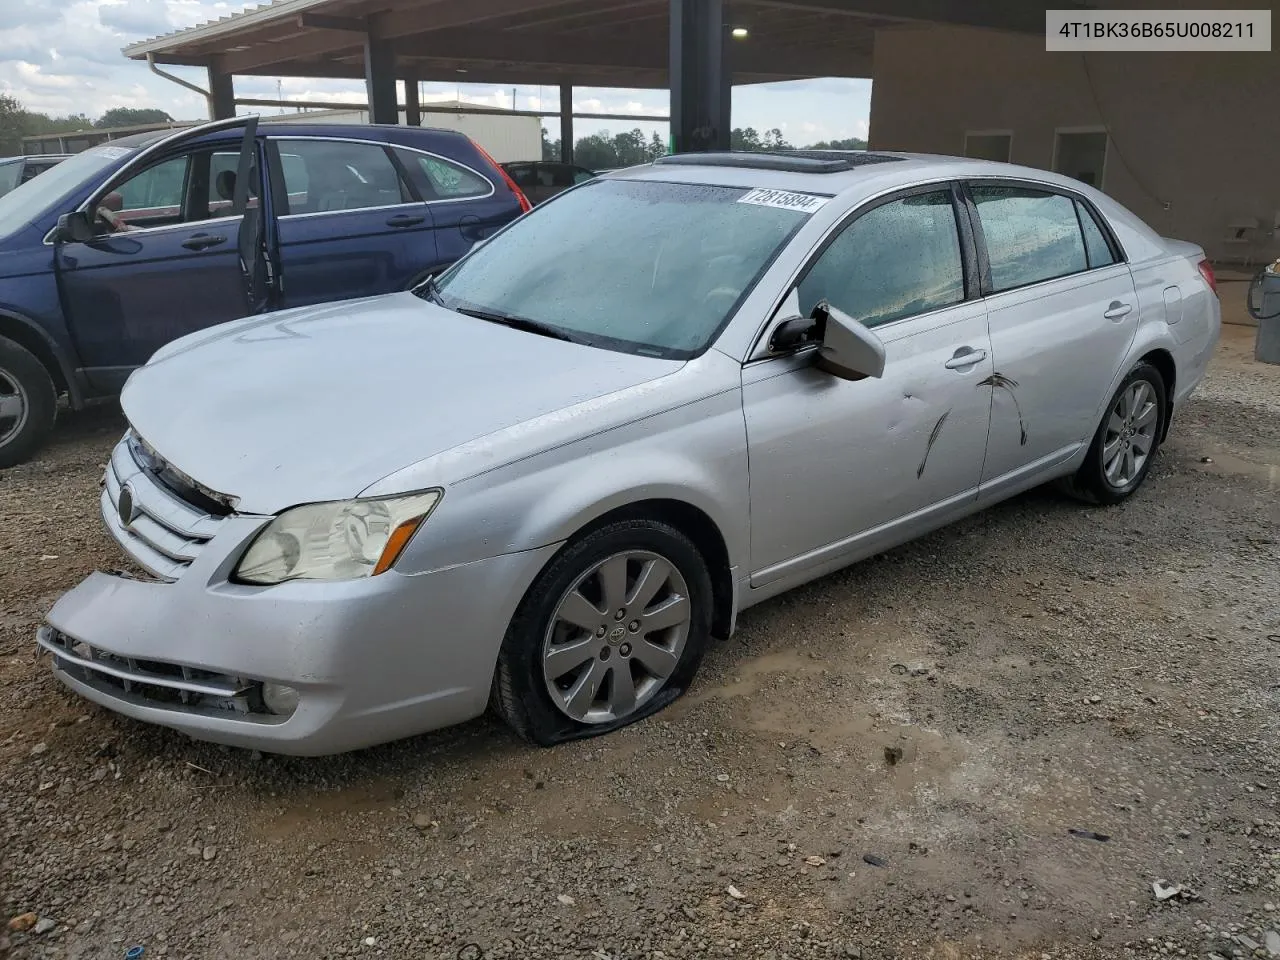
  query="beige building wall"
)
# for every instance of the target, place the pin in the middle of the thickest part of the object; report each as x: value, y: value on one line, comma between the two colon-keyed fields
x: 1194, y: 137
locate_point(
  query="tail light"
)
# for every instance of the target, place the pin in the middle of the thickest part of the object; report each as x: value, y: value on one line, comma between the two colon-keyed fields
x: 1206, y: 271
x: 525, y: 205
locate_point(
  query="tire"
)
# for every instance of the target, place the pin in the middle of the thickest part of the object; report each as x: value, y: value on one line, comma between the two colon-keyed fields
x: 589, y: 698
x: 1101, y: 478
x: 28, y: 403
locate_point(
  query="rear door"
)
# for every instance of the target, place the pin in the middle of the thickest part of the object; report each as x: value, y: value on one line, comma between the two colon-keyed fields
x: 348, y: 222
x: 167, y: 267
x: 466, y: 204
x: 1063, y: 311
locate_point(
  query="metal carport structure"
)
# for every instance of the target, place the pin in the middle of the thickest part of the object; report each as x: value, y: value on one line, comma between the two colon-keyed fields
x: 686, y: 45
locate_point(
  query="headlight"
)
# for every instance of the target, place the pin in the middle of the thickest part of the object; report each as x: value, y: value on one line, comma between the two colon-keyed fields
x: 335, y: 541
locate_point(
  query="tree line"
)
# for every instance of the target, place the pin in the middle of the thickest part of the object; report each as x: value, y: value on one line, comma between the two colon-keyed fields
x: 602, y: 151
x: 17, y: 122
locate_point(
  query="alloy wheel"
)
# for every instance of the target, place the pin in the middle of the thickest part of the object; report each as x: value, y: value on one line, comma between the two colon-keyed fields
x: 13, y: 406
x: 1131, y: 434
x: 616, y: 636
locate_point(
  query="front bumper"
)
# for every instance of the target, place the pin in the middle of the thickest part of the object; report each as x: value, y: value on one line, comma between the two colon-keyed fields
x: 373, y: 660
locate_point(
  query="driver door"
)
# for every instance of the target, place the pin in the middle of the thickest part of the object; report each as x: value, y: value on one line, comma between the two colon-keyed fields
x: 841, y: 469
x: 169, y: 268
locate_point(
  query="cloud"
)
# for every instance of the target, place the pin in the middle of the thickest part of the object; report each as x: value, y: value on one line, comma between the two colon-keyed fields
x: 147, y: 18
x: 21, y: 13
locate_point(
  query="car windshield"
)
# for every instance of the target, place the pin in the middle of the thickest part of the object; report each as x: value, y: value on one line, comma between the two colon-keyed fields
x: 28, y: 201
x: 634, y: 265
x: 10, y: 170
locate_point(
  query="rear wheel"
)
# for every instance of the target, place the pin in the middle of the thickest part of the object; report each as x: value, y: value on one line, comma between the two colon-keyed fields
x: 28, y: 403
x: 611, y: 632
x: 1125, y: 445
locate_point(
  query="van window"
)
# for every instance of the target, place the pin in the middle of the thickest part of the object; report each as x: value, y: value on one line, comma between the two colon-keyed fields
x: 333, y: 176
x: 449, y: 181
x: 1032, y: 235
x: 897, y: 260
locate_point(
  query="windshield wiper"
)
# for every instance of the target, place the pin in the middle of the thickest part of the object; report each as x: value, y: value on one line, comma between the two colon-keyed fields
x: 518, y: 323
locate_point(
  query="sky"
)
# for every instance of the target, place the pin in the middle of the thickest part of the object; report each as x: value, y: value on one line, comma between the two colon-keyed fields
x: 60, y: 57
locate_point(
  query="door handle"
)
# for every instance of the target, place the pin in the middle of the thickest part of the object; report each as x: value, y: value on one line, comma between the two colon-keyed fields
x: 965, y: 358
x: 1118, y: 310
x: 202, y: 241
x: 404, y: 220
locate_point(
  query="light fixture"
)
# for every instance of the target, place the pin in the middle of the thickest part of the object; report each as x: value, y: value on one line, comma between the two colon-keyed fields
x: 740, y: 33
x: 461, y: 70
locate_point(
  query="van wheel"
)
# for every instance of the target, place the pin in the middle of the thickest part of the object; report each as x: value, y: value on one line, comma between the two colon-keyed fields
x: 28, y: 403
x: 1125, y: 445
x: 611, y: 632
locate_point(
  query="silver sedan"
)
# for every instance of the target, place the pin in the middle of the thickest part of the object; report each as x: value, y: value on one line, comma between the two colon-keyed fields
x: 546, y: 481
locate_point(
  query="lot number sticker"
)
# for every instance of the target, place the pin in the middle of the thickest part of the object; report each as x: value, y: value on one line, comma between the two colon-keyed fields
x: 801, y: 202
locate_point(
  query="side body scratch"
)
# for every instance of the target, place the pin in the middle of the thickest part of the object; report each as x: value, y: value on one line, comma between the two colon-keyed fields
x: 933, y: 438
x: 1001, y: 382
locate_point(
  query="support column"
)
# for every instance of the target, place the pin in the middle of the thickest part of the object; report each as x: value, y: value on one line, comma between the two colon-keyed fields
x: 412, y: 109
x: 380, y: 78
x: 222, y: 96
x: 566, y: 123
x: 699, y: 76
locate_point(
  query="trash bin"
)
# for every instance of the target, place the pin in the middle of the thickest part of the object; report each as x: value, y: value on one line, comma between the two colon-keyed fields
x: 1264, y: 306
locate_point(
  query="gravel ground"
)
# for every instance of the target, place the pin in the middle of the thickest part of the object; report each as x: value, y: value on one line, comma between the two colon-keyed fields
x: 1040, y: 669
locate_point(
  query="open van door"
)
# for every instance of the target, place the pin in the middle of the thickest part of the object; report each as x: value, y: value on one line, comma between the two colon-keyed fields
x: 154, y: 255
x: 256, y: 269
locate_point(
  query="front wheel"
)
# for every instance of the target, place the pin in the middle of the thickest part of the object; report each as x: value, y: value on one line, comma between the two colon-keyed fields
x: 28, y: 403
x: 611, y: 632
x: 1125, y: 445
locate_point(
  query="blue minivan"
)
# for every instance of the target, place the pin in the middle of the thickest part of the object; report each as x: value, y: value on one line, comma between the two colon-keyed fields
x: 120, y: 249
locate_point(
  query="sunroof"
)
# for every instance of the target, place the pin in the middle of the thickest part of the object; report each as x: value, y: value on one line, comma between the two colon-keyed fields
x: 792, y: 161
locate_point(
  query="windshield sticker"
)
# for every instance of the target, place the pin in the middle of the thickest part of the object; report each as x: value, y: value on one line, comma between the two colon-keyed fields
x: 112, y: 153
x: 801, y: 202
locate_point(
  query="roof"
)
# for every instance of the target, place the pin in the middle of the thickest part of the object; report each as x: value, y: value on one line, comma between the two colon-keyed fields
x: 855, y: 180
x: 622, y: 43
x: 792, y: 161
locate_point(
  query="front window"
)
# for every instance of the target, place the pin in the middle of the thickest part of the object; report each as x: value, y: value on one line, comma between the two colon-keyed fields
x: 633, y: 265
x: 30, y: 200
x: 898, y: 260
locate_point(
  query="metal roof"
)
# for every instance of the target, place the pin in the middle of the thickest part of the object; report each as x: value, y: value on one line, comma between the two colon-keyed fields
x: 584, y: 42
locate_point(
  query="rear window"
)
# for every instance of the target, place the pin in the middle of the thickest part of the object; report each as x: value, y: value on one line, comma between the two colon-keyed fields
x: 448, y: 180
x: 1032, y: 235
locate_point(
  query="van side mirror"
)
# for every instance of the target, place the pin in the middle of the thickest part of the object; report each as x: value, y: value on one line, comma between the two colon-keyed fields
x: 74, y: 228
x: 849, y: 350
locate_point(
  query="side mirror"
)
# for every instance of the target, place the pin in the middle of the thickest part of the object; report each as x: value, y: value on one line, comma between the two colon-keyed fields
x: 74, y: 228
x: 849, y: 350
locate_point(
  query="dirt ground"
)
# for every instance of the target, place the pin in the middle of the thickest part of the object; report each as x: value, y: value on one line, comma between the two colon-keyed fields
x: 1043, y: 668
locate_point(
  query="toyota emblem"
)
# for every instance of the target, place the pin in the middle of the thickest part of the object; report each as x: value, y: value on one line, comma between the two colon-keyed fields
x: 125, y: 506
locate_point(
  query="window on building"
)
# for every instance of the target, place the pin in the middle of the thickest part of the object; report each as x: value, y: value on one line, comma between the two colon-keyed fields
x: 1082, y: 156
x: 1032, y: 235
x: 897, y: 260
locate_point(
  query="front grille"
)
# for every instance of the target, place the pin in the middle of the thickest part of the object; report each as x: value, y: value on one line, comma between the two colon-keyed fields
x: 160, y: 526
x: 154, y: 683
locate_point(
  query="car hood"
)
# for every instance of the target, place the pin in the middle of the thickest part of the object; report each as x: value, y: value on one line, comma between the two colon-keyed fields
x: 319, y: 403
